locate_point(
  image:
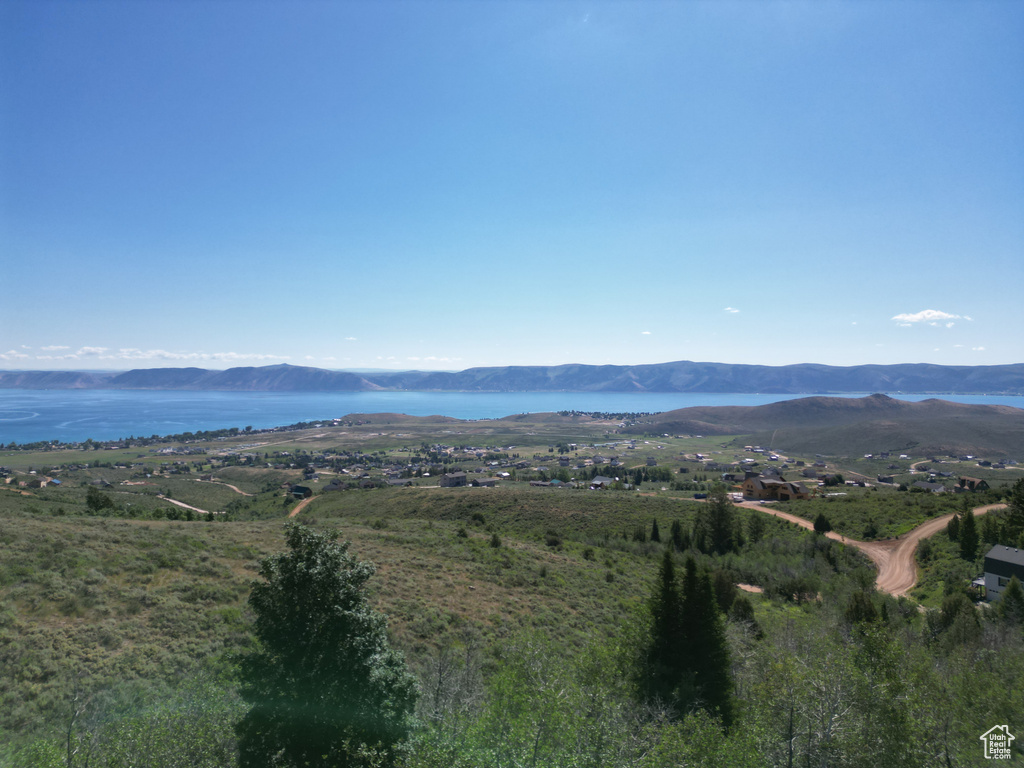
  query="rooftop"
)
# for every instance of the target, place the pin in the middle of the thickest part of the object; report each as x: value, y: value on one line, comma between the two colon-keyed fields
x: 1006, y: 554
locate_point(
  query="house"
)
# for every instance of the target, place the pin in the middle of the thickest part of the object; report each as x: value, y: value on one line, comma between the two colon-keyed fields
x: 773, y: 488
x: 931, y: 487
x: 453, y: 480
x: 1001, y: 564
x: 599, y: 481
x: 300, y: 492
x: 971, y: 484
x: 484, y: 482
x: 890, y: 479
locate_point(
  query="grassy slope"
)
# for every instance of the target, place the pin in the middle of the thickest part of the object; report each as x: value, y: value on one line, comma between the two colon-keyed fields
x: 114, y: 600
x: 117, y: 599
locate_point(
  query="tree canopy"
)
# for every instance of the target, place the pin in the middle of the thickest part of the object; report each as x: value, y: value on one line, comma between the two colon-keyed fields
x: 686, y: 663
x: 324, y: 685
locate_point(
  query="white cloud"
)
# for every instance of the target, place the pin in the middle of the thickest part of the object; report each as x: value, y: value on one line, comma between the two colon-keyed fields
x: 732, y: 310
x: 645, y: 333
x: 351, y: 338
x: 54, y: 348
x: 977, y: 349
x: 929, y: 316
x: 13, y: 354
x: 132, y: 353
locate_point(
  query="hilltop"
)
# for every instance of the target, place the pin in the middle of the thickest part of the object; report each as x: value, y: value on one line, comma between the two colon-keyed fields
x: 680, y: 376
x: 852, y: 426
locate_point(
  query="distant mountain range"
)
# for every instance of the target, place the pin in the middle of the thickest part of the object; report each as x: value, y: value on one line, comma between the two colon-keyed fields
x: 682, y: 376
x: 854, y: 426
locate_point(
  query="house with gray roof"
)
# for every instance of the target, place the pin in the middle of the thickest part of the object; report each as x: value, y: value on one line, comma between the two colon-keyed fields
x: 1001, y: 564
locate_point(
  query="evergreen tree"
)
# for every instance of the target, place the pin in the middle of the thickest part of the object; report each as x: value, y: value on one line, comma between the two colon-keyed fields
x: 700, y: 537
x: 677, y: 536
x: 96, y: 501
x: 989, y: 529
x: 706, y: 679
x: 1013, y: 523
x: 821, y: 524
x: 663, y: 662
x: 1011, y: 604
x: 755, y: 526
x: 722, y: 522
x: 655, y: 533
x: 685, y: 663
x: 968, y: 537
x: 861, y: 608
x: 953, y: 528
x: 322, y: 680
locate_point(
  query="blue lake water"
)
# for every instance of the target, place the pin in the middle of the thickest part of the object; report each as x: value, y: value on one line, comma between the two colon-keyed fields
x: 73, y: 415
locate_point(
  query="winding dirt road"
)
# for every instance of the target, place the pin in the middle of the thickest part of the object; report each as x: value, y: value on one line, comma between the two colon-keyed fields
x: 301, y: 506
x: 894, y: 558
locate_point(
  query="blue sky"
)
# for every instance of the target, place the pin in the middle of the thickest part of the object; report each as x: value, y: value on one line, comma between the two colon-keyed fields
x: 440, y: 185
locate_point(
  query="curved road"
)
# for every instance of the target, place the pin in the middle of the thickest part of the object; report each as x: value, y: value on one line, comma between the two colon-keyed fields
x: 894, y: 558
x: 301, y: 506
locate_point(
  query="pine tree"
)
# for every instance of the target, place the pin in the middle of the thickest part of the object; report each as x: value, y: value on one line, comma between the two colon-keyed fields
x: 662, y: 665
x: 968, y: 537
x: 322, y: 679
x: 655, y: 533
x: 685, y: 662
x: 1013, y: 523
x: 953, y: 527
x: 706, y: 680
x: 861, y: 608
x: 821, y: 524
x: 1011, y: 603
x: 677, y: 536
x: 723, y: 522
x: 700, y: 536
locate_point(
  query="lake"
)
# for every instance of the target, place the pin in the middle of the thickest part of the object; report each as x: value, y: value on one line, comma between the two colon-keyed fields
x: 28, y: 416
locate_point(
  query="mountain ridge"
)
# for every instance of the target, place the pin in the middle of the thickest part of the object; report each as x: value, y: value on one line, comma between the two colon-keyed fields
x: 679, y: 376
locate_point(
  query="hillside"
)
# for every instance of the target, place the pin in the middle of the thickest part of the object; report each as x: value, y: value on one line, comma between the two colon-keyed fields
x: 681, y: 376
x: 847, y: 426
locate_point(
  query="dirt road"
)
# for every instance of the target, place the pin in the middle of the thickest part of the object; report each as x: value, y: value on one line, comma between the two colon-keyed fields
x: 183, y: 505
x: 301, y: 506
x: 234, y: 488
x: 894, y: 558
